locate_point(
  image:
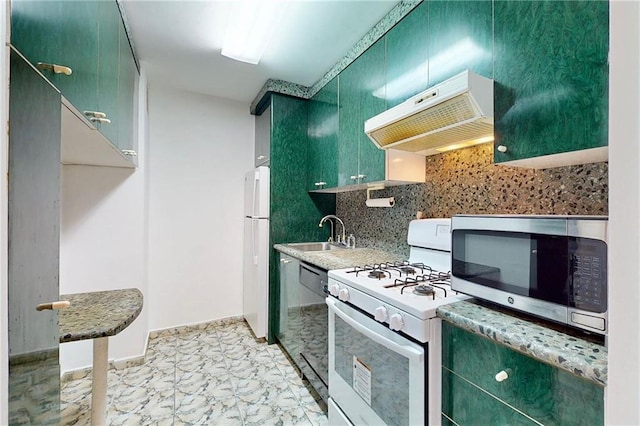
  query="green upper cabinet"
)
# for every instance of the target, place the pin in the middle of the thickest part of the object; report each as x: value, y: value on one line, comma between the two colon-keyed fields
x: 552, y: 68
x: 361, y: 89
x: 108, y: 57
x: 461, y: 38
x: 89, y: 38
x: 322, y: 135
x: 407, y: 56
x: 62, y: 33
x: 126, y: 92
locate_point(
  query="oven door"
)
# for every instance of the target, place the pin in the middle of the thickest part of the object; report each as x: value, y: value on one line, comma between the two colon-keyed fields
x: 376, y: 376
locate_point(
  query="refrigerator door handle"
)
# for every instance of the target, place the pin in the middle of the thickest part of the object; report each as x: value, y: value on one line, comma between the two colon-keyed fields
x: 256, y: 181
x: 254, y: 242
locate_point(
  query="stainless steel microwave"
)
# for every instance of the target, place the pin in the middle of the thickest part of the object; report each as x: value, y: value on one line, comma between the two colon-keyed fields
x: 554, y: 267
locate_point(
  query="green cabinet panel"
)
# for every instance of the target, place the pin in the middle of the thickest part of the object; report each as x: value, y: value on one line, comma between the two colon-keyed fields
x: 545, y: 393
x: 290, y: 325
x: 323, y: 137
x: 361, y: 96
x: 293, y: 214
x: 33, y: 266
x: 551, y: 59
x: 465, y: 404
x: 461, y: 38
x: 407, y: 56
x: 108, y: 58
x: 126, y: 92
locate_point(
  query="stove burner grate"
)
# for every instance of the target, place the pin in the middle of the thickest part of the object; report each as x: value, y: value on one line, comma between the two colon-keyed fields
x: 378, y: 273
x: 424, y: 290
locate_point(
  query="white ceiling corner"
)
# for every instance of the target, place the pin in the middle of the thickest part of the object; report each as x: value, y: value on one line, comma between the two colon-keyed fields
x: 180, y: 43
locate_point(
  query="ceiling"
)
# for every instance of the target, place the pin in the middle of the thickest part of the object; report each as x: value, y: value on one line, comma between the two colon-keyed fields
x: 180, y: 43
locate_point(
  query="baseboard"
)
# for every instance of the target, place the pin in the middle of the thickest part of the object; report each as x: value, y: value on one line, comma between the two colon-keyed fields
x: 138, y: 360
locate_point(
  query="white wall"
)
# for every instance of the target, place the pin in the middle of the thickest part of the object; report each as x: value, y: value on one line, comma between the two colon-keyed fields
x: 200, y: 147
x: 102, y: 242
x: 623, y: 391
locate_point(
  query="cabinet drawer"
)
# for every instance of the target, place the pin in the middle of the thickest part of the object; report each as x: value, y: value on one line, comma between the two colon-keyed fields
x: 465, y: 404
x: 546, y: 393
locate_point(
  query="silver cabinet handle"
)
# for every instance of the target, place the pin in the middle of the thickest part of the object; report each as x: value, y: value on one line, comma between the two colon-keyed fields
x: 361, y: 176
x: 261, y: 157
x: 57, y: 69
x: 96, y: 114
x: 285, y: 261
x: 502, y: 148
x: 100, y: 120
x: 60, y: 304
x: 130, y: 152
x: 354, y: 177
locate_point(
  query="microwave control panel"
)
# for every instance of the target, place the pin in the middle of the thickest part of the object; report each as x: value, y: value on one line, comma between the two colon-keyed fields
x: 589, y: 276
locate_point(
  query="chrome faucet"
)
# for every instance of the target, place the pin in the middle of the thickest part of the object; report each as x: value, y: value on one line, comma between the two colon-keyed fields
x: 339, y: 239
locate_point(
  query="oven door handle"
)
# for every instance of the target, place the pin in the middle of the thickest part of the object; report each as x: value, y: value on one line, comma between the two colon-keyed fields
x: 407, y: 351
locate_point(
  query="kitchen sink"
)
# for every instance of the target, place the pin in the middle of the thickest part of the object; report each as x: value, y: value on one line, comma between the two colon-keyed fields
x: 320, y: 246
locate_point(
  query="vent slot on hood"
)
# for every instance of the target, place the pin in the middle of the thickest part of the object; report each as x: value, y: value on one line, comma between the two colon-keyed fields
x: 460, y: 111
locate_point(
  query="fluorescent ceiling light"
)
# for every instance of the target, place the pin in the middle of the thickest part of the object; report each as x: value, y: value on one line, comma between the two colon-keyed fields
x: 249, y: 29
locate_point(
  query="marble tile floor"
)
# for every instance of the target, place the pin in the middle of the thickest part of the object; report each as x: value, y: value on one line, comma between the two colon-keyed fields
x: 218, y: 375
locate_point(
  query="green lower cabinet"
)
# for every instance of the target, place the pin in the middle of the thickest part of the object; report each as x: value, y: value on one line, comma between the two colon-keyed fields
x: 540, y: 391
x: 465, y: 404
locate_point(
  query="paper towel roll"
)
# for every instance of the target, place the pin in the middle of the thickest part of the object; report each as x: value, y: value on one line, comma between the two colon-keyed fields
x: 381, y: 202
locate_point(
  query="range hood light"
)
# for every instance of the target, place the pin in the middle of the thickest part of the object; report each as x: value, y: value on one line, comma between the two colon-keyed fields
x: 465, y: 144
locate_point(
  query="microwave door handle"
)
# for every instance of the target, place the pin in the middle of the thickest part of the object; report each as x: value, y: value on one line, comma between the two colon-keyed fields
x: 412, y: 354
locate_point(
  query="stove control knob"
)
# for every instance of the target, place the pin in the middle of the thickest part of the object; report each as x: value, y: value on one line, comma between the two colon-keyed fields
x: 381, y: 314
x: 343, y: 295
x: 334, y: 289
x: 396, y: 322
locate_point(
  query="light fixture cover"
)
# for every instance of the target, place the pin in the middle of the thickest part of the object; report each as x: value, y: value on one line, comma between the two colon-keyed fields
x: 247, y: 34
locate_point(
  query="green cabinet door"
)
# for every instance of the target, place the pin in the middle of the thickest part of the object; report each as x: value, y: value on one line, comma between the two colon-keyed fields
x: 289, y: 327
x: 127, y: 76
x: 464, y: 39
x: 78, y: 26
x: 371, y: 68
x: 361, y: 96
x: 407, y: 53
x: 62, y: 33
x: 323, y: 137
x: 348, y: 125
x: 108, y: 67
x: 544, y: 393
x: 551, y: 59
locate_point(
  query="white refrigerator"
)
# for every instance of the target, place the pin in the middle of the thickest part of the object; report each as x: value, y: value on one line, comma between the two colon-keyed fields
x: 256, y: 250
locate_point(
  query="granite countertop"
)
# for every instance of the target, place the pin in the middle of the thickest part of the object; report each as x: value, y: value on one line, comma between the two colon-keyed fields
x: 98, y: 314
x: 571, y: 353
x: 339, y: 259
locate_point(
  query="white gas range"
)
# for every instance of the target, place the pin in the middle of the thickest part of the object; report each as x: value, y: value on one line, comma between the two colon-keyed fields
x: 384, y: 333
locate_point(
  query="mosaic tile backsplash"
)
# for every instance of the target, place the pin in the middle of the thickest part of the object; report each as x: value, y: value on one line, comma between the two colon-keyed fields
x: 467, y: 182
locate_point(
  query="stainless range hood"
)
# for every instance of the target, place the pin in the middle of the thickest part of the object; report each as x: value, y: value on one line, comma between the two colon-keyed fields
x: 453, y: 114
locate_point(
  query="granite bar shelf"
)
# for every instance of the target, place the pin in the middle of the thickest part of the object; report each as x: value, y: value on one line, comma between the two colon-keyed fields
x: 574, y: 354
x: 98, y: 314
x: 340, y: 259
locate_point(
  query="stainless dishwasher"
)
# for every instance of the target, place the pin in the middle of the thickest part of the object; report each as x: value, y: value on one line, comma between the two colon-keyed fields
x: 314, y: 347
